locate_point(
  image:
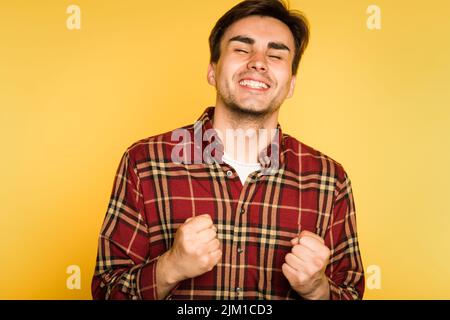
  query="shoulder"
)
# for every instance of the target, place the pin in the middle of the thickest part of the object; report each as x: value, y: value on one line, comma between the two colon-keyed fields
x: 157, y: 147
x: 305, y: 159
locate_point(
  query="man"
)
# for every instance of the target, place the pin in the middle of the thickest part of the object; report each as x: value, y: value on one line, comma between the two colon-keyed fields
x: 265, y: 218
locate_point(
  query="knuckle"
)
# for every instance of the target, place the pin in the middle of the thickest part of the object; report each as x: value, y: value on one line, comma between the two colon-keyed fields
x: 199, y: 252
x: 204, y: 261
x: 313, y: 269
x: 307, y: 271
x: 305, y: 278
x: 183, y: 230
x: 185, y: 224
x: 288, y: 257
x: 205, y: 217
x: 318, y: 264
x: 291, y: 256
x: 300, y: 278
x: 297, y: 250
x: 180, y: 229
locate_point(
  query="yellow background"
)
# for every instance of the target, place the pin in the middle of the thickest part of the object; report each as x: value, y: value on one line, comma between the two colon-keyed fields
x: 71, y: 102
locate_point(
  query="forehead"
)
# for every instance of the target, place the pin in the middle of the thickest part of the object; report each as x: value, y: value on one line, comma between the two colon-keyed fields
x: 262, y: 29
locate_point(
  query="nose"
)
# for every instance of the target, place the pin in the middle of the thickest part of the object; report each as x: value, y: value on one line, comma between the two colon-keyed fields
x: 258, y: 63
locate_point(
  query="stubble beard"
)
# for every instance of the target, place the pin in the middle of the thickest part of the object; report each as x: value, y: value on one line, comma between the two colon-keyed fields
x: 249, y: 113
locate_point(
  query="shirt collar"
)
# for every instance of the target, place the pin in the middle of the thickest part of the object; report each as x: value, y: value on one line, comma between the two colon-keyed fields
x: 271, y: 158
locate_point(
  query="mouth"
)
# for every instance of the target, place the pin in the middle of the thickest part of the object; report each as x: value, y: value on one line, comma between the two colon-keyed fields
x: 253, y: 84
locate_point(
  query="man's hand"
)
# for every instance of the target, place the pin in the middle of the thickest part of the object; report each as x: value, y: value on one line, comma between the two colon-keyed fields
x: 305, y: 266
x: 196, y: 249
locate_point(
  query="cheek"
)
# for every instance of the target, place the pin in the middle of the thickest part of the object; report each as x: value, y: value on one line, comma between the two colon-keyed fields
x: 231, y: 67
x: 283, y: 80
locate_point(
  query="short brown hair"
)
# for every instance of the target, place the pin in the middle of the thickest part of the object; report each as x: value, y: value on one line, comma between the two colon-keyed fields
x: 277, y: 9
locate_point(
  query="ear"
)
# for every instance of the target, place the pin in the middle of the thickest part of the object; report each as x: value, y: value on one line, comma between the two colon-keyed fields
x: 211, y: 75
x: 292, y: 86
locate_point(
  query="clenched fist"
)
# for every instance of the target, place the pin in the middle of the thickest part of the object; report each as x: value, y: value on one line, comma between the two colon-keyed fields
x: 196, y: 248
x: 305, y: 266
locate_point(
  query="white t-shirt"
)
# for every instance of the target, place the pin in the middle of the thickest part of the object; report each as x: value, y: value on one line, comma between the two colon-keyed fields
x: 243, y: 169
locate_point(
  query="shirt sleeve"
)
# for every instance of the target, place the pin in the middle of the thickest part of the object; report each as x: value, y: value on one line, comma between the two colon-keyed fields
x: 345, y: 270
x: 123, y: 269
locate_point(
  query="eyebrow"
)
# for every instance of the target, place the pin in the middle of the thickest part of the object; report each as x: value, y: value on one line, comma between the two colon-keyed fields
x: 243, y: 39
x: 270, y: 45
x: 278, y: 46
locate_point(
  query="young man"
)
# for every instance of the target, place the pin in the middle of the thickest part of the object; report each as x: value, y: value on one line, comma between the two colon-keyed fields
x: 249, y: 215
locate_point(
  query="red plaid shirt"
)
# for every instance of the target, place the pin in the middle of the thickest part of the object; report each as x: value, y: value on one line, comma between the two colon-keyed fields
x: 152, y: 196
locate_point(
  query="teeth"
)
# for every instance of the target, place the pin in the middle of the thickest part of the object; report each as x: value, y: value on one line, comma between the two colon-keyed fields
x: 253, y: 84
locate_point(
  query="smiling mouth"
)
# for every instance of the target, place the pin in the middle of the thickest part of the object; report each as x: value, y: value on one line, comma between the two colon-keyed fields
x: 254, y: 84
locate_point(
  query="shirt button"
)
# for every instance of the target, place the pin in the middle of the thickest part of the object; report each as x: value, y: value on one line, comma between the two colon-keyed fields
x: 238, y: 290
x: 229, y: 173
x: 240, y: 250
x: 242, y: 210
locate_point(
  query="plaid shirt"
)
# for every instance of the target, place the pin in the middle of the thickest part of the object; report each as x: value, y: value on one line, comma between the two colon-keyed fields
x: 152, y: 196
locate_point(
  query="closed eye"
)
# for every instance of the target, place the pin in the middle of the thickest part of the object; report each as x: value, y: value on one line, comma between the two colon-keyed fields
x: 240, y: 50
x: 275, y: 57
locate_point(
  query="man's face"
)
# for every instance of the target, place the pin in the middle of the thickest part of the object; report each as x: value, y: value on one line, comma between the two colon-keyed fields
x: 254, y: 71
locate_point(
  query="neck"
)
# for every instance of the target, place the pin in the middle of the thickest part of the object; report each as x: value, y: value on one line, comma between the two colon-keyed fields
x: 244, y: 135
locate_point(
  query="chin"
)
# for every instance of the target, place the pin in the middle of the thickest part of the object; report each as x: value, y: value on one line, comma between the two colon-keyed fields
x: 251, y: 109
x: 248, y: 107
